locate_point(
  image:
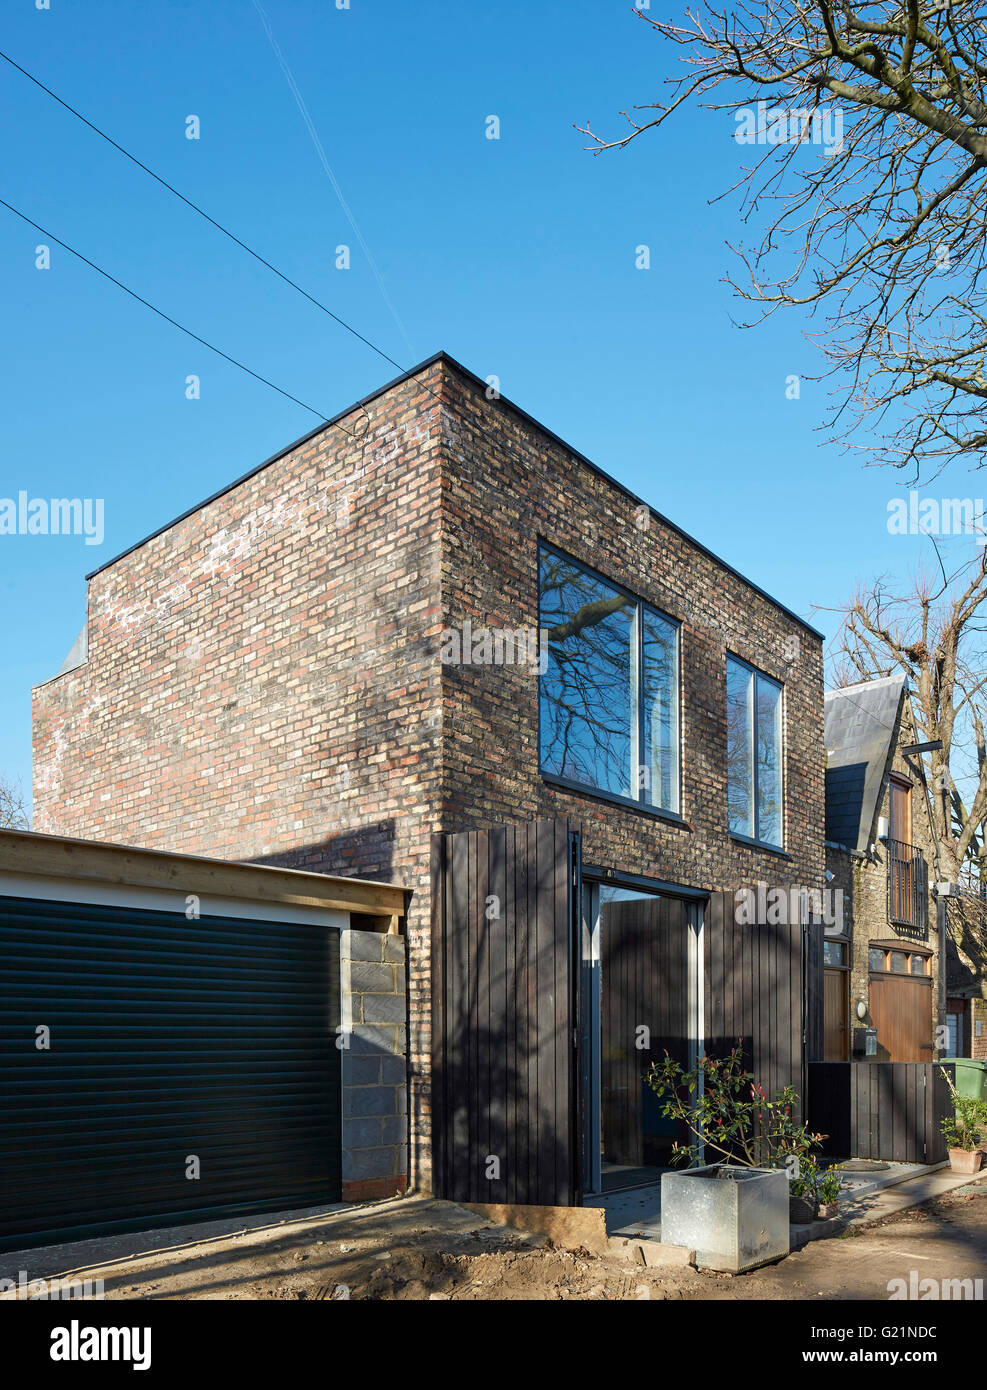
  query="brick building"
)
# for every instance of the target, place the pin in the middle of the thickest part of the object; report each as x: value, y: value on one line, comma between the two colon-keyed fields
x: 966, y: 973
x: 431, y: 615
x: 883, y: 972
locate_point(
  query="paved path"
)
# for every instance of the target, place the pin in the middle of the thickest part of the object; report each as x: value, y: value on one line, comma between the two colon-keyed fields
x: 945, y: 1240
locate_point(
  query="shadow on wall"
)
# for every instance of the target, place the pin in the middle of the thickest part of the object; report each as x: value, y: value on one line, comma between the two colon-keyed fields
x: 966, y: 941
x: 367, y: 852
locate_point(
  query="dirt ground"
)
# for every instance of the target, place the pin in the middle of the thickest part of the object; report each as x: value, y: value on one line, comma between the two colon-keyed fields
x: 420, y: 1249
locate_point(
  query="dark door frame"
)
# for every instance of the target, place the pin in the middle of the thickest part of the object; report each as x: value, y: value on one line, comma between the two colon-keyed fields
x: 587, y: 1110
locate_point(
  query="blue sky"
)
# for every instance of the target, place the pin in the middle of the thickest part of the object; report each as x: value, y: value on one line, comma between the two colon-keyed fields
x: 515, y: 255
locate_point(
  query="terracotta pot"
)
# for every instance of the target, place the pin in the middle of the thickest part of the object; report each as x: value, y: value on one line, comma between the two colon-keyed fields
x: 965, y: 1160
x: 826, y: 1210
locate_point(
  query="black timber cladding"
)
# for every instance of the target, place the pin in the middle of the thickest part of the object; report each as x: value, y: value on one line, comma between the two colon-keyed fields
x: 881, y: 1110
x: 169, y: 1038
x: 504, y: 1014
x: 754, y: 992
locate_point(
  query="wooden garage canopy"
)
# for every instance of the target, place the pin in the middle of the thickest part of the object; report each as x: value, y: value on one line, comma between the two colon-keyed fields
x: 52, y: 856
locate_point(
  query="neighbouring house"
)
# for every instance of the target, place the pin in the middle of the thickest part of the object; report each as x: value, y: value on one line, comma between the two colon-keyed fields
x: 883, y: 994
x: 430, y: 643
x: 966, y: 971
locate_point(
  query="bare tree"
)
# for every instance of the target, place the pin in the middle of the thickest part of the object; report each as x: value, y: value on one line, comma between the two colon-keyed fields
x: 13, y: 808
x: 934, y: 634
x: 873, y: 195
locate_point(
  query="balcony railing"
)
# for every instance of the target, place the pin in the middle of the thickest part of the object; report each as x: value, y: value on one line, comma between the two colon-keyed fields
x: 908, y: 888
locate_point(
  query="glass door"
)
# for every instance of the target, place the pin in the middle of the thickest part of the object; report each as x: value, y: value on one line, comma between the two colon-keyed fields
x: 641, y: 997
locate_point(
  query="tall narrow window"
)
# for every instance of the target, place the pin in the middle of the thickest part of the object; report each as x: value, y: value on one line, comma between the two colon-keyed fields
x: 900, y: 803
x: 755, y: 755
x: 609, y: 696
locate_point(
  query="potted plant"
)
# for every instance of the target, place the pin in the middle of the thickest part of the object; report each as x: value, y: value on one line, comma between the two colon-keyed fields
x: 814, y: 1192
x: 963, y: 1130
x: 734, y: 1212
x: 803, y: 1197
x: 828, y: 1188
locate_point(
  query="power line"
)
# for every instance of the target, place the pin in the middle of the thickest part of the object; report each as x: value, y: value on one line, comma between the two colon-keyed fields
x: 161, y: 314
x: 500, y: 442
x: 202, y: 213
x: 262, y: 260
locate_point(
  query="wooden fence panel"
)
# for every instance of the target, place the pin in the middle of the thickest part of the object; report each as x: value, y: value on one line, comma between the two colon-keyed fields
x: 880, y: 1110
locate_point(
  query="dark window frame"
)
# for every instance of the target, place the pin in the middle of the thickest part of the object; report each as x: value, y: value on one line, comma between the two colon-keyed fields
x: 910, y: 955
x: 755, y: 839
x: 844, y: 944
x: 896, y: 781
x: 638, y: 804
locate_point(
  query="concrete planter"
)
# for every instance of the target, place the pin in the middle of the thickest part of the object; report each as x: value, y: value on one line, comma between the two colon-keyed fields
x: 734, y: 1218
x: 965, y: 1160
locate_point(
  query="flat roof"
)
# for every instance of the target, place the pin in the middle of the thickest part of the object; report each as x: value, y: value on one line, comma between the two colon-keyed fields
x: 477, y: 381
x: 56, y: 856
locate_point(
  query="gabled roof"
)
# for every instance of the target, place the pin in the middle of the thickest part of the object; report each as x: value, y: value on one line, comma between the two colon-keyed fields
x: 862, y: 724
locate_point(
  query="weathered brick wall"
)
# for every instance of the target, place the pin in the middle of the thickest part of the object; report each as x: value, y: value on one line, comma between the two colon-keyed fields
x: 264, y: 678
x: 978, y: 1042
x: 261, y: 683
x: 373, y: 1065
x: 503, y: 494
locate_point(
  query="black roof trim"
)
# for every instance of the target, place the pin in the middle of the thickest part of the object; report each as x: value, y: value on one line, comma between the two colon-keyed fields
x: 472, y: 377
x: 259, y: 467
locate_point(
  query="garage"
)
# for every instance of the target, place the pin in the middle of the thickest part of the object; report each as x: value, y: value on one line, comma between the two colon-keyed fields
x: 169, y: 1054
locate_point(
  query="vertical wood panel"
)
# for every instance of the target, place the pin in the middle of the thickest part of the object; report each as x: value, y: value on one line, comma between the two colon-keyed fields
x: 891, y: 1111
x: 437, y: 942
x: 754, y: 991
x: 501, y: 1006
x: 502, y: 991
x: 457, y: 1004
x: 490, y: 1030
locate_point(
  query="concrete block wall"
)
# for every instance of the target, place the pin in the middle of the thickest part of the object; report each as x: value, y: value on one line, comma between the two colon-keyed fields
x: 373, y: 1065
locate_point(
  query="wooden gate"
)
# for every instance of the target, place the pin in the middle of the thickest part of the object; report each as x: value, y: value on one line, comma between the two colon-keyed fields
x: 881, y: 1110
x: 504, y: 1014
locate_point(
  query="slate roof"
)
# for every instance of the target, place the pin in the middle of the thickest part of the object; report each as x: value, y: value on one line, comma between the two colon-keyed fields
x: 861, y: 726
x: 79, y: 654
